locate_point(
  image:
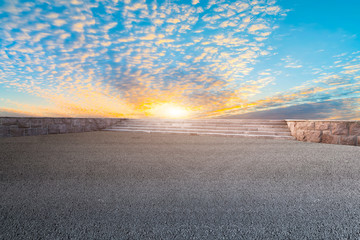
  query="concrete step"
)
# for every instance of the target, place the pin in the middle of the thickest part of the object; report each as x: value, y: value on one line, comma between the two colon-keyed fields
x: 276, y: 129
x: 240, y: 126
x: 225, y: 131
x: 203, y: 120
x: 206, y: 133
x: 207, y: 122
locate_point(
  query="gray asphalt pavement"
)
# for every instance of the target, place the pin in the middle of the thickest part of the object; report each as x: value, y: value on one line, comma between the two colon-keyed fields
x: 117, y: 185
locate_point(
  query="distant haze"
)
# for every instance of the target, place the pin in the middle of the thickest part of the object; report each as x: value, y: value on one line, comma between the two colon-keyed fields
x: 323, y: 110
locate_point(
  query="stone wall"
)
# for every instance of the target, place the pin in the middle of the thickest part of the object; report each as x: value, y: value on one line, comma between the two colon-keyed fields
x: 320, y: 131
x: 16, y: 126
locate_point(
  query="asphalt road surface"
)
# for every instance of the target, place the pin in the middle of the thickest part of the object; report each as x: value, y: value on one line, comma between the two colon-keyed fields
x: 117, y: 185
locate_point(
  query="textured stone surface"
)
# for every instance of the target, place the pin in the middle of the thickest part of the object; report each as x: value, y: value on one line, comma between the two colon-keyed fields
x: 34, y: 123
x: 333, y: 132
x: 47, y: 122
x: 15, y: 127
x: 78, y: 128
x: 300, y: 135
x: 354, y: 128
x: 9, y: 121
x: 42, y: 131
x: 23, y: 123
x: 306, y: 125
x: 58, y: 120
x: 79, y: 122
x: 6, y: 131
x: 291, y: 126
x: 322, y: 126
x: 53, y: 129
x: 339, y: 128
x: 16, y: 132
x: 63, y: 127
x: 87, y: 128
x: 328, y: 138
x: 314, y: 136
x: 347, y: 140
x: 32, y: 132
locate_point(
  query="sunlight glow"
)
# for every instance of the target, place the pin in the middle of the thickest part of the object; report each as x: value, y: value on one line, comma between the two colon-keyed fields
x: 169, y: 110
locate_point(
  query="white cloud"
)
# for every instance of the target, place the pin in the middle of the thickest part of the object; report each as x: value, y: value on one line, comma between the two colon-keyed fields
x: 78, y: 27
x: 109, y: 26
x: 64, y: 35
x: 52, y: 15
x: 76, y: 2
x: 40, y: 36
x: 173, y: 20
x: 41, y: 26
x: 273, y: 10
x: 292, y: 65
x: 59, y: 22
x: 194, y: 2
x: 256, y: 27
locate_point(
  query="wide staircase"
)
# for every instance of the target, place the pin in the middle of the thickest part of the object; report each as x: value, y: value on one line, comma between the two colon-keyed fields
x: 256, y: 128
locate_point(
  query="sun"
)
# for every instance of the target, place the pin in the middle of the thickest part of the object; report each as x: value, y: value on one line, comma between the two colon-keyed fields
x: 169, y: 110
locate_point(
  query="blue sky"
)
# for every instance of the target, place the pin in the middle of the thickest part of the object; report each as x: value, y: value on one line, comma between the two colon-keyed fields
x: 208, y: 58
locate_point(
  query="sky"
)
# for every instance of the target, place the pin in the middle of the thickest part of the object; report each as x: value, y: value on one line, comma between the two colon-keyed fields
x: 180, y: 58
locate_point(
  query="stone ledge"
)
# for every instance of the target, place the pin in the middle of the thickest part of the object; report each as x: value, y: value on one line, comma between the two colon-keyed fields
x: 32, y: 126
x: 326, y: 131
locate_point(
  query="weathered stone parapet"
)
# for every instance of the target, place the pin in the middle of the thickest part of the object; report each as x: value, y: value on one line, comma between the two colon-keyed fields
x: 24, y: 126
x: 322, y: 131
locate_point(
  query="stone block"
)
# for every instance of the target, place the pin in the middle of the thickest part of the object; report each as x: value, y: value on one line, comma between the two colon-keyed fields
x: 53, y: 129
x: 306, y: 125
x: 348, y: 140
x: 62, y: 128
x: 59, y: 120
x: 16, y: 132
x: 101, y: 125
x: 300, y: 135
x: 358, y: 140
x: 23, y: 123
x: 6, y: 131
x: 322, y: 126
x: 87, y: 128
x: 27, y: 132
x: 42, y: 131
x: 57, y: 128
x: 328, y: 138
x: 89, y: 122
x: 95, y: 127
x: 108, y: 121
x: 31, y: 132
x: 9, y: 121
x: 71, y: 130
x: 291, y: 126
x: 78, y: 122
x: 78, y: 129
x: 68, y: 121
x: 313, y: 136
x: 47, y: 122
x: 354, y: 128
x: 2, y: 131
x: 339, y: 128
x: 36, y: 122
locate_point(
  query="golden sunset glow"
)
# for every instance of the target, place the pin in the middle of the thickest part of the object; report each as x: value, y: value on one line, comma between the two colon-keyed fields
x: 169, y: 110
